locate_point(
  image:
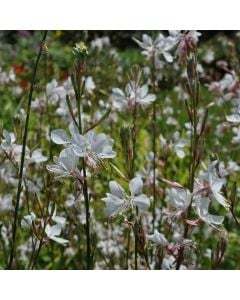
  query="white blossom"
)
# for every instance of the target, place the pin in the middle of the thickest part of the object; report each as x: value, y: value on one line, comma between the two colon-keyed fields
x: 202, y: 206
x: 53, y: 232
x: 27, y: 220
x: 180, y: 199
x: 133, y: 95
x: 65, y: 164
x: 158, y: 238
x: 212, y: 184
x: 117, y: 200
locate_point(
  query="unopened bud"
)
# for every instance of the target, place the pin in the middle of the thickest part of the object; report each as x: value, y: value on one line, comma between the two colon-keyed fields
x: 80, y: 49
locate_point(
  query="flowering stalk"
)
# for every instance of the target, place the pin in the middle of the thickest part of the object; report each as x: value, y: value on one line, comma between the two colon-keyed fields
x: 126, y: 141
x: 81, y: 52
x: 19, y: 189
x: 154, y: 142
x: 136, y: 74
x: 193, y: 89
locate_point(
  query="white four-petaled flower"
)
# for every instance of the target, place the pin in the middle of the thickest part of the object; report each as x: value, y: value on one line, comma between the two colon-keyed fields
x: 53, y: 232
x: 93, y: 147
x: 65, y: 164
x: 131, y: 96
x: 180, y: 199
x: 117, y: 200
x: 212, y: 185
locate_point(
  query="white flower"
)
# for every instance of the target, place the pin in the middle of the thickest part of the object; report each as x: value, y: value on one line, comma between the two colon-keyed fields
x: 186, y: 42
x: 65, y: 164
x: 179, y: 198
x: 8, y: 140
x: 55, y: 92
x: 93, y: 147
x: 209, y: 56
x: 227, y: 87
x: 133, y: 95
x: 148, y: 45
x: 236, y: 138
x: 178, y: 144
x: 37, y: 157
x: 6, y: 202
x: 27, y: 220
x: 213, y: 184
x: 99, y: 43
x: 160, y: 46
x: 158, y: 238
x: 216, y: 183
x: 117, y: 200
x: 202, y: 205
x: 6, y: 78
x: 58, y: 219
x: 163, y: 141
x: 89, y: 85
x: 234, y: 119
x: 52, y: 233
x: 14, y: 151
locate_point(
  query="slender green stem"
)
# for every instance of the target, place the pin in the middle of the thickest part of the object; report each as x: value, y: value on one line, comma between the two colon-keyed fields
x: 85, y: 187
x: 134, y: 136
x: 154, y: 145
x: 19, y: 189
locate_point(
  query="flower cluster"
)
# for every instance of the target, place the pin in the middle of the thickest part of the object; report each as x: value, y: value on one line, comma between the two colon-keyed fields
x: 94, y: 148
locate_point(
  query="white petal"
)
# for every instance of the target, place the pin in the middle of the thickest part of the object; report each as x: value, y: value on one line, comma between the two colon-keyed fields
x: 55, y: 169
x: 147, y: 39
x: 147, y: 100
x: 73, y: 129
x: 217, y: 184
x: 116, y: 189
x: 213, y: 219
x: 114, y: 205
x: 180, y: 153
x: 68, y: 159
x: 135, y: 186
x: 168, y: 57
x: 158, y: 238
x: 59, y: 220
x: 143, y: 90
x: 235, y: 119
x: 59, y: 240
x: 7, y: 136
x: 117, y: 92
x: 55, y: 230
x: 142, y: 202
x: 220, y: 199
x: 202, y: 204
x: 59, y: 137
x: 48, y: 230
